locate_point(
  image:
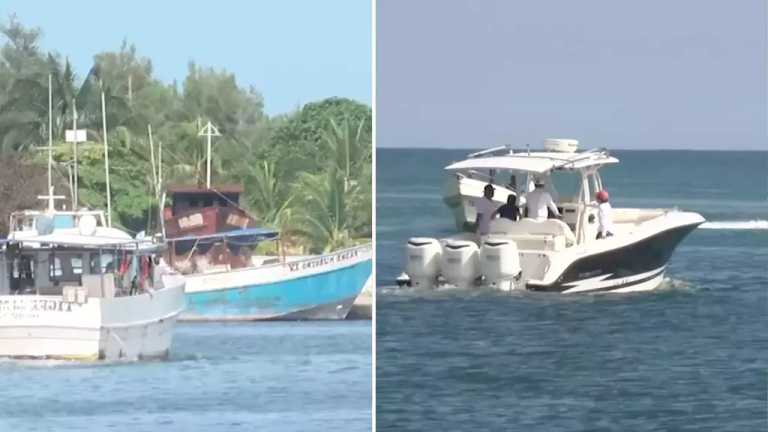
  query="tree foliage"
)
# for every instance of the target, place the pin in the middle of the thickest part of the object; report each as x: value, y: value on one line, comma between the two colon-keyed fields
x: 307, y: 172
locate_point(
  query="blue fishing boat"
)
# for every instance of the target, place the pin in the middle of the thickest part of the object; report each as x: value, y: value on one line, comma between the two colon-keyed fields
x: 212, y: 241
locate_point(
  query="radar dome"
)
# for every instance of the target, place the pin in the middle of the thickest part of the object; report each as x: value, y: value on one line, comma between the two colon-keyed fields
x: 561, y: 145
x: 44, y: 224
x: 87, y: 225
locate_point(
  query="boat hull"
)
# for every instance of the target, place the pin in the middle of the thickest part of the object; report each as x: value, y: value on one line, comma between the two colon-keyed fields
x: 317, y: 288
x: 636, y: 266
x: 121, y: 328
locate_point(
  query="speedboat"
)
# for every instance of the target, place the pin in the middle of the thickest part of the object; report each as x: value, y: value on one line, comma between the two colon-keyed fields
x: 72, y: 288
x: 558, y: 255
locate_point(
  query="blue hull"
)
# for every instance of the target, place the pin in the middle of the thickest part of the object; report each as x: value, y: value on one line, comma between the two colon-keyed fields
x: 327, y: 295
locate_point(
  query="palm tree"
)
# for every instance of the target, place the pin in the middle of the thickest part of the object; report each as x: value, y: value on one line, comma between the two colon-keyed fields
x: 324, y: 217
x: 348, y: 146
x: 267, y: 195
x: 183, y: 153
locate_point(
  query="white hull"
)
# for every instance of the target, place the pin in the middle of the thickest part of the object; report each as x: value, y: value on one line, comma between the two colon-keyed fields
x: 120, y: 328
x: 634, y: 259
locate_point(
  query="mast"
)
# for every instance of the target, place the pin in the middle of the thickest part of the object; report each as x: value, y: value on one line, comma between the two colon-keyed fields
x: 152, y: 158
x: 209, y: 131
x: 50, y: 197
x: 74, y: 132
x: 160, y: 191
x: 106, y: 158
x: 50, y: 138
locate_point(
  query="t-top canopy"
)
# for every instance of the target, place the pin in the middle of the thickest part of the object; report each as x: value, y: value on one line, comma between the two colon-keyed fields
x: 538, y: 162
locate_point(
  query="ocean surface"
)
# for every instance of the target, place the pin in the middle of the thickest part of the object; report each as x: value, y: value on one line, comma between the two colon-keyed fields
x: 690, y: 356
x: 275, y: 376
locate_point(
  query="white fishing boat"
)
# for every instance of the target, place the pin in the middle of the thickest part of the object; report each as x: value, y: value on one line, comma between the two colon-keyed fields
x: 72, y: 288
x: 560, y: 255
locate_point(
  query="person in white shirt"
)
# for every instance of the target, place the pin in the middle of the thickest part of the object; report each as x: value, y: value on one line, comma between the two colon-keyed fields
x: 604, y: 215
x: 538, y: 201
x: 486, y: 209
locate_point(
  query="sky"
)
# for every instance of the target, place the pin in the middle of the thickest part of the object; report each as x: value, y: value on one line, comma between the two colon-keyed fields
x: 651, y: 74
x: 292, y: 51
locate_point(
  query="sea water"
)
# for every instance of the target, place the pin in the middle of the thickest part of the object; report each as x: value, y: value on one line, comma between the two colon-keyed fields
x: 690, y: 356
x: 273, y: 376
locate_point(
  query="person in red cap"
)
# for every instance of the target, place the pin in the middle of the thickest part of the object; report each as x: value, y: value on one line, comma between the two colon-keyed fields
x: 604, y: 215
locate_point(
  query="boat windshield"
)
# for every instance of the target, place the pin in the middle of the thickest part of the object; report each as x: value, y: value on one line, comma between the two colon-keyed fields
x: 567, y: 185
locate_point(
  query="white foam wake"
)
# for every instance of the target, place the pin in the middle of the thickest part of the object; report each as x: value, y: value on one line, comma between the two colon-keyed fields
x: 737, y: 225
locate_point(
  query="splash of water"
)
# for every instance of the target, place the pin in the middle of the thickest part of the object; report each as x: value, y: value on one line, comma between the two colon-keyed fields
x: 758, y: 224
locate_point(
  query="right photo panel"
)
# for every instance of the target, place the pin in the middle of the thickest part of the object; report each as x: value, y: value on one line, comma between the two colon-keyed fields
x: 571, y: 215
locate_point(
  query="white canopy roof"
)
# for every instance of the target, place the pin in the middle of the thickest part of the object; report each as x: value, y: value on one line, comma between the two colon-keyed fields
x: 103, y: 237
x: 538, y: 162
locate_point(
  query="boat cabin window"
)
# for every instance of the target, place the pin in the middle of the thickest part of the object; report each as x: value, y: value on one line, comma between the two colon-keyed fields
x: 193, y: 202
x: 208, y: 202
x: 23, y: 223
x: 107, y: 264
x: 63, y: 221
x: 567, y: 185
x: 65, y: 267
x: 22, y: 273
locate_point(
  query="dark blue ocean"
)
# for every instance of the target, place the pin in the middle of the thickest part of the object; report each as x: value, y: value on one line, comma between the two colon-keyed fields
x: 690, y: 356
x: 276, y: 376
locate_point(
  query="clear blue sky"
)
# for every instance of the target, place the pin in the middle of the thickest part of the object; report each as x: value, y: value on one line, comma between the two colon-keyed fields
x: 292, y: 51
x: 644, y: 74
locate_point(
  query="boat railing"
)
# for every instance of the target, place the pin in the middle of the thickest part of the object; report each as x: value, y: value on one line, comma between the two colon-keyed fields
x: 494, y: 150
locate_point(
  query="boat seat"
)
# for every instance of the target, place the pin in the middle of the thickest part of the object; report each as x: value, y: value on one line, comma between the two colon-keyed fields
x: 550, y: 234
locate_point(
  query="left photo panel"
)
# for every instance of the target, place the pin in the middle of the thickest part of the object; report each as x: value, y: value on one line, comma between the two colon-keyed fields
x: 186, y: 216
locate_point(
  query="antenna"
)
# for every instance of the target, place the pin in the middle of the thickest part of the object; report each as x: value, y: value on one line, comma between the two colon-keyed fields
x: 210, y: 131
x: 74, y: 136
x: 51, y: 197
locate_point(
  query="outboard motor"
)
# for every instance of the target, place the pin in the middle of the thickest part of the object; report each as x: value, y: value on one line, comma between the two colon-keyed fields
x: 423, y: 261
x: 460, y: 265
x: 500, y: 263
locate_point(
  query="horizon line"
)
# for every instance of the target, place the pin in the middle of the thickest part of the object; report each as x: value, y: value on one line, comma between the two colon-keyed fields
x: 609, y: 149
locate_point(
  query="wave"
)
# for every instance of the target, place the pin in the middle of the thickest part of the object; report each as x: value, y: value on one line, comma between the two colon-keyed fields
x: 758, y: 224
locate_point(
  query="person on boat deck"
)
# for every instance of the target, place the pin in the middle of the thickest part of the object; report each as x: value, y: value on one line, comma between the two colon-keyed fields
x: 510, y: 210
x: 486, y: 210
x: 538, y: 201
x: 604, y: 215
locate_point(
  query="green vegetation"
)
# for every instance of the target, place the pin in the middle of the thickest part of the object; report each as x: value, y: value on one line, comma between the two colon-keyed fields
x: 307, y: 173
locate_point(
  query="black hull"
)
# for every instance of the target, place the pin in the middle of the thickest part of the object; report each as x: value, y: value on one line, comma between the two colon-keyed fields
x: 647, y: 257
